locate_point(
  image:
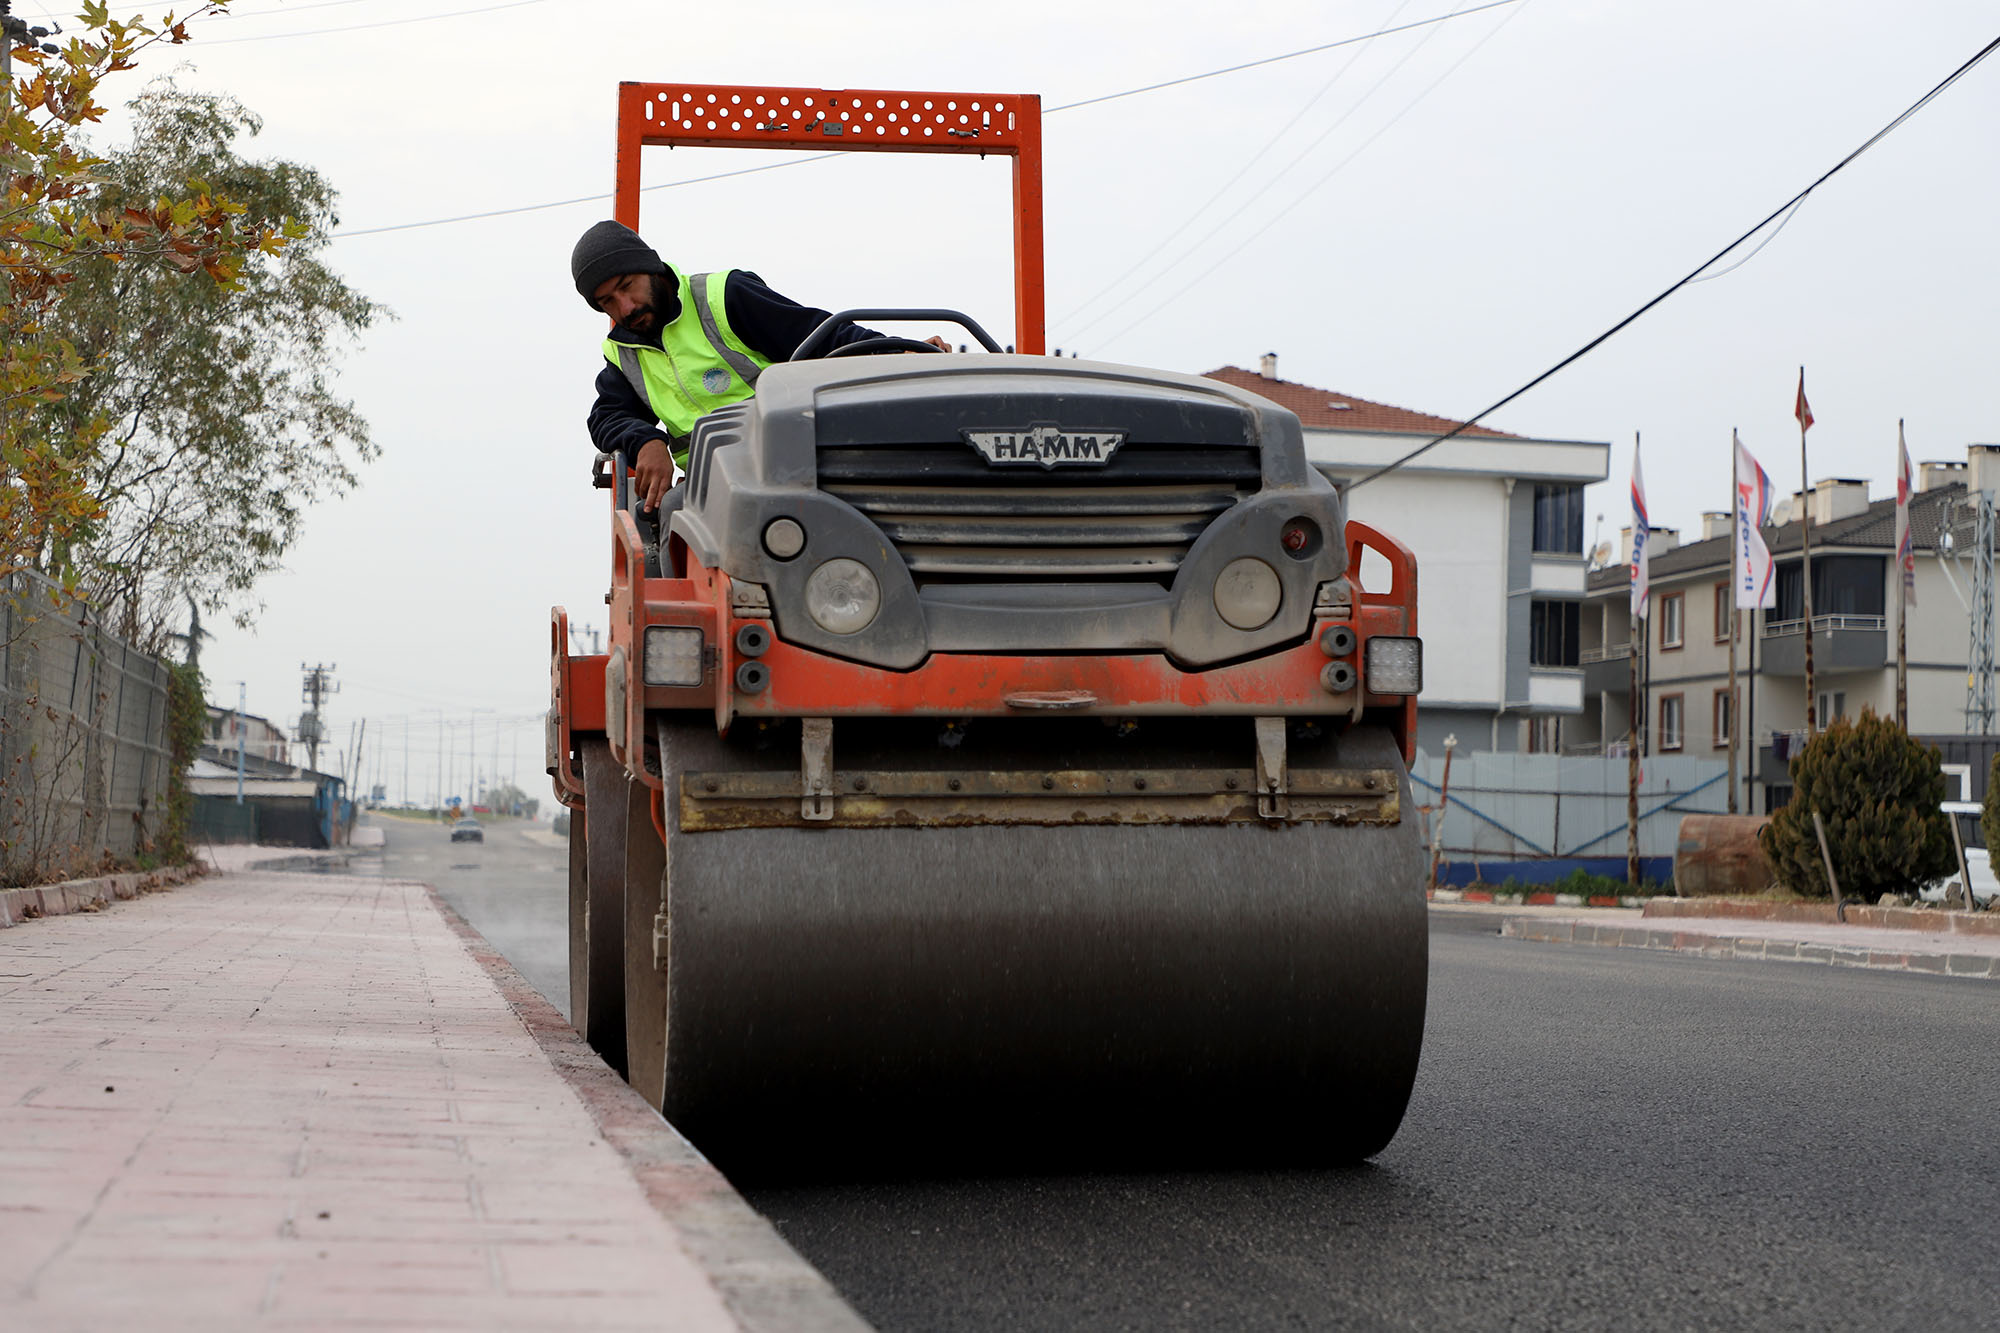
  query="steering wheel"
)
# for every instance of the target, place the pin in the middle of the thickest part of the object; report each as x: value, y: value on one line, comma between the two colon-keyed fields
x: 872, y: 346
x: 815, y: 344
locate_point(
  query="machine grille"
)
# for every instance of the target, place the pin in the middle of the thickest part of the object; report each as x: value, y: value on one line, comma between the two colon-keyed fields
x: 956, y: 519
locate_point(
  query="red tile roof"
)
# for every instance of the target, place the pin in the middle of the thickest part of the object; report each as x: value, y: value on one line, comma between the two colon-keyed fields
x: 1323, y: 409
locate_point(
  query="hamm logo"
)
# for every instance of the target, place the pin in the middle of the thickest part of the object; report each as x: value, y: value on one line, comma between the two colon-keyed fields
x: 1046, y: 445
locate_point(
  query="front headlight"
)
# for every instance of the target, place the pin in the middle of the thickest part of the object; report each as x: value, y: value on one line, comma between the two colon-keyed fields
x: 1247, y: 593
x: 673, y: 655
x: 843, y: 596
x: 1395, y: 665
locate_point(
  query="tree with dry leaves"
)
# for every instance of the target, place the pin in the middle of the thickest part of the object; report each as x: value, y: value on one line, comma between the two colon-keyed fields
x: 226, y: 420
x: 58, y: 222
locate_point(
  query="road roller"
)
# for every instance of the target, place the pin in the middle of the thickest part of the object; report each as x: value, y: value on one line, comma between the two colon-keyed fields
x: 997, y: 758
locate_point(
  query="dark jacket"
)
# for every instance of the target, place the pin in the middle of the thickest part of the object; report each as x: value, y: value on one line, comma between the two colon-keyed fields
x: 621, y: 421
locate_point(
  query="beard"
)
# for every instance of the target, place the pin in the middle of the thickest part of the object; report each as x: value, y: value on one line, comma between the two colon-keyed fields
x: 645, y: 319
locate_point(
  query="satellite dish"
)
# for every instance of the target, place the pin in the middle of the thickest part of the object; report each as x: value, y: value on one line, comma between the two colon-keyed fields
x: 1781, y: 513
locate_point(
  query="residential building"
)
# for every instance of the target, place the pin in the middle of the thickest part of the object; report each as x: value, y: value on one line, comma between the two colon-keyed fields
x: 262, y: 739
x: 1684, y: 659
x: 1496, y: 522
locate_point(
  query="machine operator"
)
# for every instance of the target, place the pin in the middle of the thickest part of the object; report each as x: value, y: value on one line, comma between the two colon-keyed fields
x: 679, y: 347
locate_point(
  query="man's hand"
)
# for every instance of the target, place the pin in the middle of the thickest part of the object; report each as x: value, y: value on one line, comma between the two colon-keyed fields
x: 938, y: 343
x: 653, y: 472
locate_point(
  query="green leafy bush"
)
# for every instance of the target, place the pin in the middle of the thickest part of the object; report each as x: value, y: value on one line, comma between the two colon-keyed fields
x: 1878, y: 791
x: 187, y: 719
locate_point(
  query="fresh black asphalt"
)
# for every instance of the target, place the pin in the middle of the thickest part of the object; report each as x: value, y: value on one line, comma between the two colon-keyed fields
x: 1597, y: 1139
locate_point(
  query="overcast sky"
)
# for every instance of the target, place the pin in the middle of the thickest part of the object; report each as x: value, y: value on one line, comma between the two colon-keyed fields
x: 1427, y: 219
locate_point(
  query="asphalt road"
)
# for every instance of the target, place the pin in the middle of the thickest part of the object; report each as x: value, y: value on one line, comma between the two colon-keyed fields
x: 1597, y: 1139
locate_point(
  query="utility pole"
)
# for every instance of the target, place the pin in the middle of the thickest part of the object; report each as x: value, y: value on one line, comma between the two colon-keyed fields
x: 16, y: 32
x: 319, y: 683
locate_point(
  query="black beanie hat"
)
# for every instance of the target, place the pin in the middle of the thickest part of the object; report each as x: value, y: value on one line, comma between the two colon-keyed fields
x: 610, y: 250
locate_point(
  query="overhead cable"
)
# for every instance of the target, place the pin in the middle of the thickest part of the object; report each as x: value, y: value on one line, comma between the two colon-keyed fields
x: 1243, y: 204
x: 1273, y: 219
x: 821, y: 157
x: 1699, y: 269
x: 379, y: 23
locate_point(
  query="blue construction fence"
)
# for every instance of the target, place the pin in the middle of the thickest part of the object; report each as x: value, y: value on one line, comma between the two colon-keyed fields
x: 1459, y: 874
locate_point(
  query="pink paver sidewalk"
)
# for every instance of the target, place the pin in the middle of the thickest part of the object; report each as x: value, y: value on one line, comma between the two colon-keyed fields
x: 311, y: 1101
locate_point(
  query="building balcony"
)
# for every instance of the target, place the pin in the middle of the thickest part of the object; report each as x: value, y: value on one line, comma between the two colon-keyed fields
x: 1840, y: 643
x: 1556, y: 575
x: 1555, y: 689
x: 1606, y: 670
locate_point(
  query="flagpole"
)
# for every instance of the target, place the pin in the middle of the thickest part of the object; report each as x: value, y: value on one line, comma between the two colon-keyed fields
x: 1902, y: 586
x: 1635, y: 609
x: 1804, y: 415
x: 1735, y: 615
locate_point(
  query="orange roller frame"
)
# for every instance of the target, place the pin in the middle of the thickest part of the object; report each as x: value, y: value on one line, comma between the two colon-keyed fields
x: 851, y: 120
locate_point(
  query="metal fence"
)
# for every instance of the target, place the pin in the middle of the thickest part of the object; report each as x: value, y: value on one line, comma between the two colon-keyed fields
x: 1511, y: 808
x: 83, y: 738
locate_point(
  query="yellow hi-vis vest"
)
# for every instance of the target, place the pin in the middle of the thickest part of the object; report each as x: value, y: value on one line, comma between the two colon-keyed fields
x: 699, y: 366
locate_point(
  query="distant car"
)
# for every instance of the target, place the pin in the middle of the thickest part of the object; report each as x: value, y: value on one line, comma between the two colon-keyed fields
x: 1978, y: 860
x: 467, y: 830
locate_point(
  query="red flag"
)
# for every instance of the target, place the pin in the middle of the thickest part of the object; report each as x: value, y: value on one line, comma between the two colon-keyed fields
x: 1800, y: 409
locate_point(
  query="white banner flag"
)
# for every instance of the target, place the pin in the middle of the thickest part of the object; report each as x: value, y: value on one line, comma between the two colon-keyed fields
x: 1755, y: 587
x: 1640, y: 571
x: 1906, y: 556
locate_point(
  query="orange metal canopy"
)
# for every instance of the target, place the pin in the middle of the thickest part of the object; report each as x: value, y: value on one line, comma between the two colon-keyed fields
x: 851, y: 120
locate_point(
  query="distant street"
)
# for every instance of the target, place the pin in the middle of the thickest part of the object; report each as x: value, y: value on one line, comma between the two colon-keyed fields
x: 513, y: 888
x: 1597, y: 1139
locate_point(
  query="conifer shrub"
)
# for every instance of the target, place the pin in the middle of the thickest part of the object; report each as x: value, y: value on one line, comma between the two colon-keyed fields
x: 1878, y: 791
x: 1989, y: 809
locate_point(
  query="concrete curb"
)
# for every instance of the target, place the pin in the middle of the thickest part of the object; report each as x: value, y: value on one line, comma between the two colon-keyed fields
x: 764, y: 1283
x: 1934, y: 921
x: 88, y: 895
x: 1980, y: 966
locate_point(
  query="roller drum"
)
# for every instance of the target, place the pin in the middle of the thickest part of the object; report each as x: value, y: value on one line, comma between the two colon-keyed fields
x: 838, y: 997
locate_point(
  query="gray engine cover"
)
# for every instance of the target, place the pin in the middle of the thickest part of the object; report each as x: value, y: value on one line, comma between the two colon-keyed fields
x: 824, y: 440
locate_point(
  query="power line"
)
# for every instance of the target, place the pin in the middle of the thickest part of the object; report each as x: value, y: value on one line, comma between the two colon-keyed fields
x: 285, y: 9
x: 1710, y: 262
x: 821, y: 157
x: 588, y: 198
x: 1289, y: 55
x: 1243, y: 205
x: 1226, y: 186
x: 1275, y: 218
x: 380, y: 23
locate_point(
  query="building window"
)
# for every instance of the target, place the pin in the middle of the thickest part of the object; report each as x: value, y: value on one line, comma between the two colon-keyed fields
x: 1724, y: 609
x: 1843, y: 585
x: 1670, y: 722
x: 1544, y: 735
x: 1832, y: 704
x: 1671, y: 605
x: 1559, y: 520
x: 1554, y: 633
x: 1722, y: 721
